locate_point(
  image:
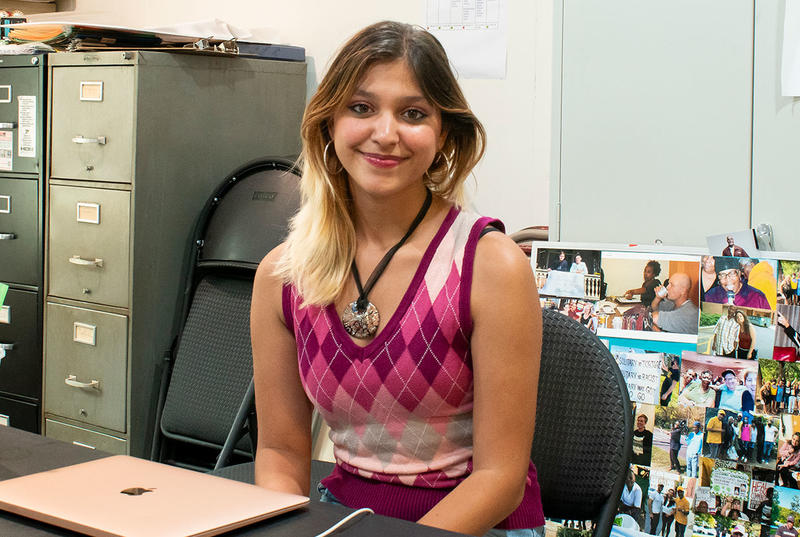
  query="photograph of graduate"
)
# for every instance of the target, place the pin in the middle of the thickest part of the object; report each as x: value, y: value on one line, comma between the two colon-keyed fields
x: 643, y: 423
x: 787, y: 342
x: 785, y: 511
x: 673, y: 427
x: 633, y: 499
x: 736, y: 332
x: 788, y: 466
x: 779, y: 387
x: 652, y: 292
x: 568, y: 273
x: 713, y: 381
x: 745, y: 282
x: 788, y: 280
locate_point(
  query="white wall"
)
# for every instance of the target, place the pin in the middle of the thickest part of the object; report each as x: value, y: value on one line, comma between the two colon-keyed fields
x: 512, y: 180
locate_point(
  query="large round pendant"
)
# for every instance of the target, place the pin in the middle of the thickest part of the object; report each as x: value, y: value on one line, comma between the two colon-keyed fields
x: 361, y: 324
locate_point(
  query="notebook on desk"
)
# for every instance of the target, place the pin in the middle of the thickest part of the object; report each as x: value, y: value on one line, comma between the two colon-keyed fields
x: 124, y: 496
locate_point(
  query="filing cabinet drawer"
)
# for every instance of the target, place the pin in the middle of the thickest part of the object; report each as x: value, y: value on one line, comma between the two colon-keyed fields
x: 19, y: 231
x: 89, y: 241
x: 20, y: 115
x: 92, y: 123
x: 85, y: 365
x: 19, y: 414
x: 20, y: 336
x: 84, y: 437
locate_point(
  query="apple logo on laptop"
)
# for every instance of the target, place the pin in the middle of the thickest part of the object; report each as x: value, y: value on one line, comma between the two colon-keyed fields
x: 135, y: 491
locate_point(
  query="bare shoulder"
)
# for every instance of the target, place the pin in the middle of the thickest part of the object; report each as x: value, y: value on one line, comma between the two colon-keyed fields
x: 498, y: 257
x: 268, y: 287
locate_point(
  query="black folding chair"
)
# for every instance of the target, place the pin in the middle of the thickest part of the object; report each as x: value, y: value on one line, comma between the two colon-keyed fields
x: 207, y: 373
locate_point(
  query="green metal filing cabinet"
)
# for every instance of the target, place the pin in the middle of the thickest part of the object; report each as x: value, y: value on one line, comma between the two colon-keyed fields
x: 139, y: 140
x: 22, y: 122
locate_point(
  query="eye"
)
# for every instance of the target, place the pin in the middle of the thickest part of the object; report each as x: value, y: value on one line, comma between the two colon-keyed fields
x: 414, y: 114
x: 359, y: 108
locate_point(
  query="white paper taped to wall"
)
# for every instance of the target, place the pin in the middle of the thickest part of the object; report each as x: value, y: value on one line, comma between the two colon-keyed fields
x: 790, y: 59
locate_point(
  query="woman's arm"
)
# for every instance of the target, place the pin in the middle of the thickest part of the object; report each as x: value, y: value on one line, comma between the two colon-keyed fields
x: 283, y: 456
x: 752, y: 341
x: 505, y: 347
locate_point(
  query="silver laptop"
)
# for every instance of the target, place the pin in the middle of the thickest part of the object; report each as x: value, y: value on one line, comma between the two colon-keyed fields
x: 125, y: 496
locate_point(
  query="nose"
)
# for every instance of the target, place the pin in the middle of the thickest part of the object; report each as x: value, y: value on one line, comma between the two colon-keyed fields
x: 384, y: 130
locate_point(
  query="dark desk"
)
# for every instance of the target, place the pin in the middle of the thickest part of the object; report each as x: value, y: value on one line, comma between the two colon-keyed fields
x: 24, y: 453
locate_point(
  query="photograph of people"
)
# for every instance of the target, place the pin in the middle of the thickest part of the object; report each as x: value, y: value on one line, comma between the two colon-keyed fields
x: 789, y: 461
x: 788, y: 278
x: 567, y: 273
x: 779, y: 387
x: 715, y: 427
x: 732, y: 250
x: 671, y: 438
x: 673, y: 311
x: 733, y: 244
x: 736, y: 332
x: 388, y: 141
x: 708, y: 276
x: 630, y: 503
x: 588, y: 316
x: 642, y: 444
x: 734, y: 288
x: 652, y: 292
x: 785, y: 511
x: 647, y: 291
x: 722, y: 382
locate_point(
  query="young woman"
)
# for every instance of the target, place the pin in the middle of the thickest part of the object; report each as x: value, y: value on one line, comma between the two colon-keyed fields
x: 647, y: 291
x: 416, y: 336
x: 747, y: 337
x: 578, y: 265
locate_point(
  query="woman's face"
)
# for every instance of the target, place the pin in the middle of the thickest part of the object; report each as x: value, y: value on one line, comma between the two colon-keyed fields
x: 387, y: 134
x: 648, y: 273
x: 708, y: 263
x: 750, y: 382
x: 578, y: 258
x: 740, y: 317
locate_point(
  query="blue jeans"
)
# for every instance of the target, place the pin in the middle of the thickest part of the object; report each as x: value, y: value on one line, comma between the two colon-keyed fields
x: 326, y: 496
x: 692, y: 464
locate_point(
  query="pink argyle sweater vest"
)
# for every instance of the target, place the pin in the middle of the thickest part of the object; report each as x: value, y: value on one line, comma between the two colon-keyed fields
x: 400, y: 409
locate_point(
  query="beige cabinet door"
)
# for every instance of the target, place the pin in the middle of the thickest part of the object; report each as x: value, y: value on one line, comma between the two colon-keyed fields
x: 89, y: 254
x: 92, y: 123
x: 85, y: 366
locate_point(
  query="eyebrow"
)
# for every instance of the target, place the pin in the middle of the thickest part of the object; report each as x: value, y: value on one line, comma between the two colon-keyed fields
x: 407, y: 98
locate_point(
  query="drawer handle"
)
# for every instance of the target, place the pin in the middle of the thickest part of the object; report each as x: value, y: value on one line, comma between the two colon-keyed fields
x: 81, y: 444
x: 78, y: 260
x: 73, y: 381
x: 8, y: 236
x: 6, y: 346
x: 101, y: 140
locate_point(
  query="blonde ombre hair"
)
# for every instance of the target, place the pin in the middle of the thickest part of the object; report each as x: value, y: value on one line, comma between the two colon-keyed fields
x: 321, y: 244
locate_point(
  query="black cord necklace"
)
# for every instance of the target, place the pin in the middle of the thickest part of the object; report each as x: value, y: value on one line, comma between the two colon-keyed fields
x: 361, y: 318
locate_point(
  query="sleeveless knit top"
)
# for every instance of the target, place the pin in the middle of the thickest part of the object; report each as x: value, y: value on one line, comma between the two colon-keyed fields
x: 400, y: 408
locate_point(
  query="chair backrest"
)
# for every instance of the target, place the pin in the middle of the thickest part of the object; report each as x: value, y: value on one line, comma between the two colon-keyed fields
x: 213, y: 363
x: 582, y: 442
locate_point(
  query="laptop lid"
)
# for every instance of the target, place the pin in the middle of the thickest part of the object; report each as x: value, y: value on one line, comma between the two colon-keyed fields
x: 123, y: 496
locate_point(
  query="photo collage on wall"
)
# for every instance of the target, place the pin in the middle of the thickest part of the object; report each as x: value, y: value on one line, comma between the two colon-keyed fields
x: 709, y: 351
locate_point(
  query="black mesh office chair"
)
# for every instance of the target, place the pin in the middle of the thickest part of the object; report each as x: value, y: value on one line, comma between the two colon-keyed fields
x: 583, y: 425
x: 203, y: 386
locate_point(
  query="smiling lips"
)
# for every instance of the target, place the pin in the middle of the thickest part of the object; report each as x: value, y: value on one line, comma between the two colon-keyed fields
x: 382, y: 161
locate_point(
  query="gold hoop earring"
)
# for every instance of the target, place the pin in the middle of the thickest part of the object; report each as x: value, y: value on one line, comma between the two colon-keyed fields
x: 325, y: 159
